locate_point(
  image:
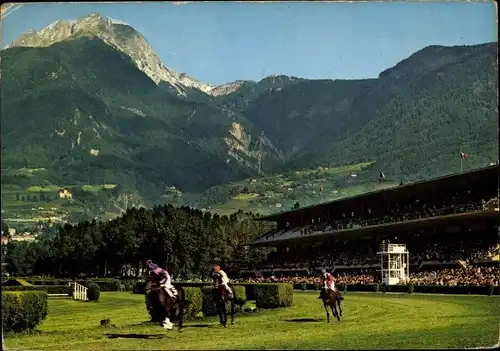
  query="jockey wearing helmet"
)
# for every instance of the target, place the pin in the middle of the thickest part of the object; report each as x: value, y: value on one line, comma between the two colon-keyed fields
x: 224, y: 278
x: 163, y: 278
x: 328, y: 280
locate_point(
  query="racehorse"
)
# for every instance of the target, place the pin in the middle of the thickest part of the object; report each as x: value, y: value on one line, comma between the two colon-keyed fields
x: 221, y: 298
x: 165, y: 308
x: 331, y: 299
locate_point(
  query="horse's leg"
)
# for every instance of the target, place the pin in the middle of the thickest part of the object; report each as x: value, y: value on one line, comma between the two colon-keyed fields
x: 181, y: 315
x: 339, y: 304
x: 220, y: 312
x: 334, y: 310
x: 232, y: 311
x: 224, y: 313
x: 327, y: 313
x: 167, y: 324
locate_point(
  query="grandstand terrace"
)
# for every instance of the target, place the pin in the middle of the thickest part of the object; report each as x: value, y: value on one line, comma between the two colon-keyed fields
x: 447, y: 223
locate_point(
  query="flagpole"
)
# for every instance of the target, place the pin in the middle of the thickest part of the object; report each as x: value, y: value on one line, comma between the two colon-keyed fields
x: 461, y: 161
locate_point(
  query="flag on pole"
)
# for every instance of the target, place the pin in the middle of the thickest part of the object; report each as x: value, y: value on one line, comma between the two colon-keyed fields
x: 464, y: 156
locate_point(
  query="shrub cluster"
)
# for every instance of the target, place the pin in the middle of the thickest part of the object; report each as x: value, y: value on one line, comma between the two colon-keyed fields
x: 93, y: 292
x: 23, y: 310
x: 202, y: 302
x: 274, y: 295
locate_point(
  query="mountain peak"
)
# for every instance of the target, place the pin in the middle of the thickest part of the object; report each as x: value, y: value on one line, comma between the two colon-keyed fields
x: 122, y: 37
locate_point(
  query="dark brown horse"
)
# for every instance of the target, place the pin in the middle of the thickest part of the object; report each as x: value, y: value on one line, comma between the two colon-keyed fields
x: 333, y: 300
x: 163, y: 308
x: 221, y: 298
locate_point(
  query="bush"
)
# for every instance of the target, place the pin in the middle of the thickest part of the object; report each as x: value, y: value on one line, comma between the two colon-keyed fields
x: 274, y: 295
x: 208, y: 303
x: 93, y: 292
x: 240, y: 293
x: 249, y: 307
x: 194, y: 296
x: 411, y: 287
x: 249, y: 290
x: 23, y: 310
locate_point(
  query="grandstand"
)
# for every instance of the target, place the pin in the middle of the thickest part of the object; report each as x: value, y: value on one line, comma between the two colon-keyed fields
x: 449, y: 224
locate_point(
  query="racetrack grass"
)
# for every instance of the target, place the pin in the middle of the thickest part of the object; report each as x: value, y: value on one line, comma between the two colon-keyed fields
x: 371, y: 321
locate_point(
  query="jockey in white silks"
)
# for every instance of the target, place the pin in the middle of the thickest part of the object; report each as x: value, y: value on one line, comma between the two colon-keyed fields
x: 225, y: 279
x: 163, y: 278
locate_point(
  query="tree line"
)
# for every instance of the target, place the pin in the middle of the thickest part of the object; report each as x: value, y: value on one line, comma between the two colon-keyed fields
x: 184, y: 240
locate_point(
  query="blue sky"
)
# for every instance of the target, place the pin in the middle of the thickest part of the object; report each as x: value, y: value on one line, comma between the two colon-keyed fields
x: 223, y: 42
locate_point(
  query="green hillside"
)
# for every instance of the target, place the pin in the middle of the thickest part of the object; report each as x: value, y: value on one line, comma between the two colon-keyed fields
x: 80, y: 114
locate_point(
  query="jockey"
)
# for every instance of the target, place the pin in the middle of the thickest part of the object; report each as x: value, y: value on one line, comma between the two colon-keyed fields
x: 163, y: 278
x: 328, y: 280
x: 224, y: 278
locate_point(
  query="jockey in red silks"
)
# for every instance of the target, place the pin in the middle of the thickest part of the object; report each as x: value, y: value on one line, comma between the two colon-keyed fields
x: 163, y: 278
x: 224, y: 278
x: 328, y: 280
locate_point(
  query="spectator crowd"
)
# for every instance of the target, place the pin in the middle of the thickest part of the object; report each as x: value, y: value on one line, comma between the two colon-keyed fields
x: 469, y: 276
x: 465, y: 201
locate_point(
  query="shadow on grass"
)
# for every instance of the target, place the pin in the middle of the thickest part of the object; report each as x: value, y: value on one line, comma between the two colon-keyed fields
x: 304, y: 320
x: 135, y: 336
x: 197, y: 326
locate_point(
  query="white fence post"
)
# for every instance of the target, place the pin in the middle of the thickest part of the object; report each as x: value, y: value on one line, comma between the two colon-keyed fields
x: 79, y: 292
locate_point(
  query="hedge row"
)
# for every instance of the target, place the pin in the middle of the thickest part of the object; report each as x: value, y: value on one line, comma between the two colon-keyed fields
x: 273, y: 295
x: 430, y: 289
x: 208, y: 304
x: 105, y: 284
x: 23, y: 310
x: 201, y: 296
x: 49, y: 289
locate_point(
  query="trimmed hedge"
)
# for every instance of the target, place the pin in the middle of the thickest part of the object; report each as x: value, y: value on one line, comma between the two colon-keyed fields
x: 193, y: 294
x: 208, y: 303
x: 105, y: 284
x: 274, y: 295
x: 191, y: 312
x: 50, y: 289
x: 23, y: 310
x: 93, y: 292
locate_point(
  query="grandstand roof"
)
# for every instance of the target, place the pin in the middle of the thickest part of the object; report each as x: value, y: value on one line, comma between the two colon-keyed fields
x: 441, y: 184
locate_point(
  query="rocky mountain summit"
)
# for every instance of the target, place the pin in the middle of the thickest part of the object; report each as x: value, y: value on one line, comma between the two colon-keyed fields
x: 126, y: 39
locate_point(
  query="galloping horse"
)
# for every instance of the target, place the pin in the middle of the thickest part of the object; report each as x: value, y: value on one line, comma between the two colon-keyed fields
x: 331, y: 299
x: 165, y: 308
x: 221, y: 297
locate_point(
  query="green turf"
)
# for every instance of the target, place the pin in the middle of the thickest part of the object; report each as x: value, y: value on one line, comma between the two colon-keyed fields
x: 371, y: 321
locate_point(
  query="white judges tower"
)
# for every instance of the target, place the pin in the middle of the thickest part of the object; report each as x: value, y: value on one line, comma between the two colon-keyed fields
x: 394, y: 263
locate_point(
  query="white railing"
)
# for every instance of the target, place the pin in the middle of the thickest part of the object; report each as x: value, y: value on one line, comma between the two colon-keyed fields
x: 387, y: 247
x: 79, y: 292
